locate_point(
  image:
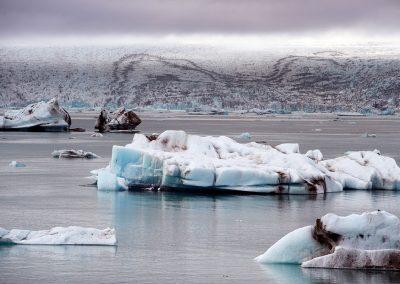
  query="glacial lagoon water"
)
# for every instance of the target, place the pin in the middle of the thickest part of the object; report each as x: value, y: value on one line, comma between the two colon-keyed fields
x: 167, y: 237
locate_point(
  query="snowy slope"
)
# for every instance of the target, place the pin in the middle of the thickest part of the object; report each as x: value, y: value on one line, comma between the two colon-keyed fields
x: 186, y: 77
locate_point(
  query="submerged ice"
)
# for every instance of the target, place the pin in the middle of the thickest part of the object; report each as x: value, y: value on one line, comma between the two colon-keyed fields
x: 368, y: 240
x: 59, y: 236
x: 175, y: 159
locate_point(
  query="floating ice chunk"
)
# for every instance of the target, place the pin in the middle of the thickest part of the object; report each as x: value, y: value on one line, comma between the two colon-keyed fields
x: 16, y: 164
x: 60, y: 236
x: 315, y: 155
x: 73, y: 154
x: 369, y: 135
x: 96, y: 134
x: 357, y: 259
x: 371, y: 236
x: 245, y: 136
x: 175, y: 159
x: 40, y: 116
x: 288, y: 148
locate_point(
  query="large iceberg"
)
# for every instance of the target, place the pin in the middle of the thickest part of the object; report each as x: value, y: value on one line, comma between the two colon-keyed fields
x: 368, y: 240
x: 59, y: 236
x: 177, y: 160
x: 41, y: 116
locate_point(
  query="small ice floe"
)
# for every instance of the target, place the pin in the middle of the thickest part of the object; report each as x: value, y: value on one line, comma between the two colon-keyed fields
x: 245, y: 136
x: 16, y: 164
x: 96, y: 134
x: 73, y: 154
x: 121, y: 119
x: 177, y: 160
x: 368, y: 240
x: 41, y: 116
x: 369, y: 135
x: 59, y: 236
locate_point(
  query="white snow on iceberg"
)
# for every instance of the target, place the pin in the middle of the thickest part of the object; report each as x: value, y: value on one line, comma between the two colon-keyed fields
x: 175, y: 159
x: 59, y: 236
x: 333, y: 240
x: 365, y: 170
x: 41, y: 116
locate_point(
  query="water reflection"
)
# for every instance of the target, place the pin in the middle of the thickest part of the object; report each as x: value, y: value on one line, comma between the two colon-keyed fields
x: 55, y: 253
x: 217, y: 234
x: 351, y: 276
x: 290, y: 274
x: 285, y: 273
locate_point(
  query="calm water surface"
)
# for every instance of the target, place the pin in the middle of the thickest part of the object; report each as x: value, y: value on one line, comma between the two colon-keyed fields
x: 166, y: 237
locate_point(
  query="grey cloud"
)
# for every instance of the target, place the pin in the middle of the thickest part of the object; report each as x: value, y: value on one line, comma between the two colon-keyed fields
x: 44, y: 17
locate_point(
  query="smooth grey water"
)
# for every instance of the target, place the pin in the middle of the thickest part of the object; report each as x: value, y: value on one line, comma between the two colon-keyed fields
x: 166, y: 237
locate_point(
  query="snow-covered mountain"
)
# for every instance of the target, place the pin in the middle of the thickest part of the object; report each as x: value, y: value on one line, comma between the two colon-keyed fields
x: 346, y: 78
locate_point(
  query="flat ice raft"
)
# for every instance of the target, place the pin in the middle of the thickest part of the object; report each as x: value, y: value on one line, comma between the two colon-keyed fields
x: 368, y: 240
x: 59, y: 236
x: 177, y: 160
x: 41, y: 116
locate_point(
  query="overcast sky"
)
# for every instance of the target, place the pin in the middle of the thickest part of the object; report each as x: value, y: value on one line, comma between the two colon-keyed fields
x: 105, y: 17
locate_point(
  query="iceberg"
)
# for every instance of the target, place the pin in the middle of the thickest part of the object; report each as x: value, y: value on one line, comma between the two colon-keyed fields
x: 177, y: 160
x: 59, y: 236
x: 96, y: 134
x: 16, y: 164
x: 367, y: 240
x: 41, y: 116
x: 245, y: 136
x: 121, y: 119
x: 73, y: 154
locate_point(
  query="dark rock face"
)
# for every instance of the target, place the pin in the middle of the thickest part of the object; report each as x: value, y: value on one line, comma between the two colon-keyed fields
x: 67, y: 117
x: 121, y: 119
x: 325, y: 238
x: 101, y: 123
